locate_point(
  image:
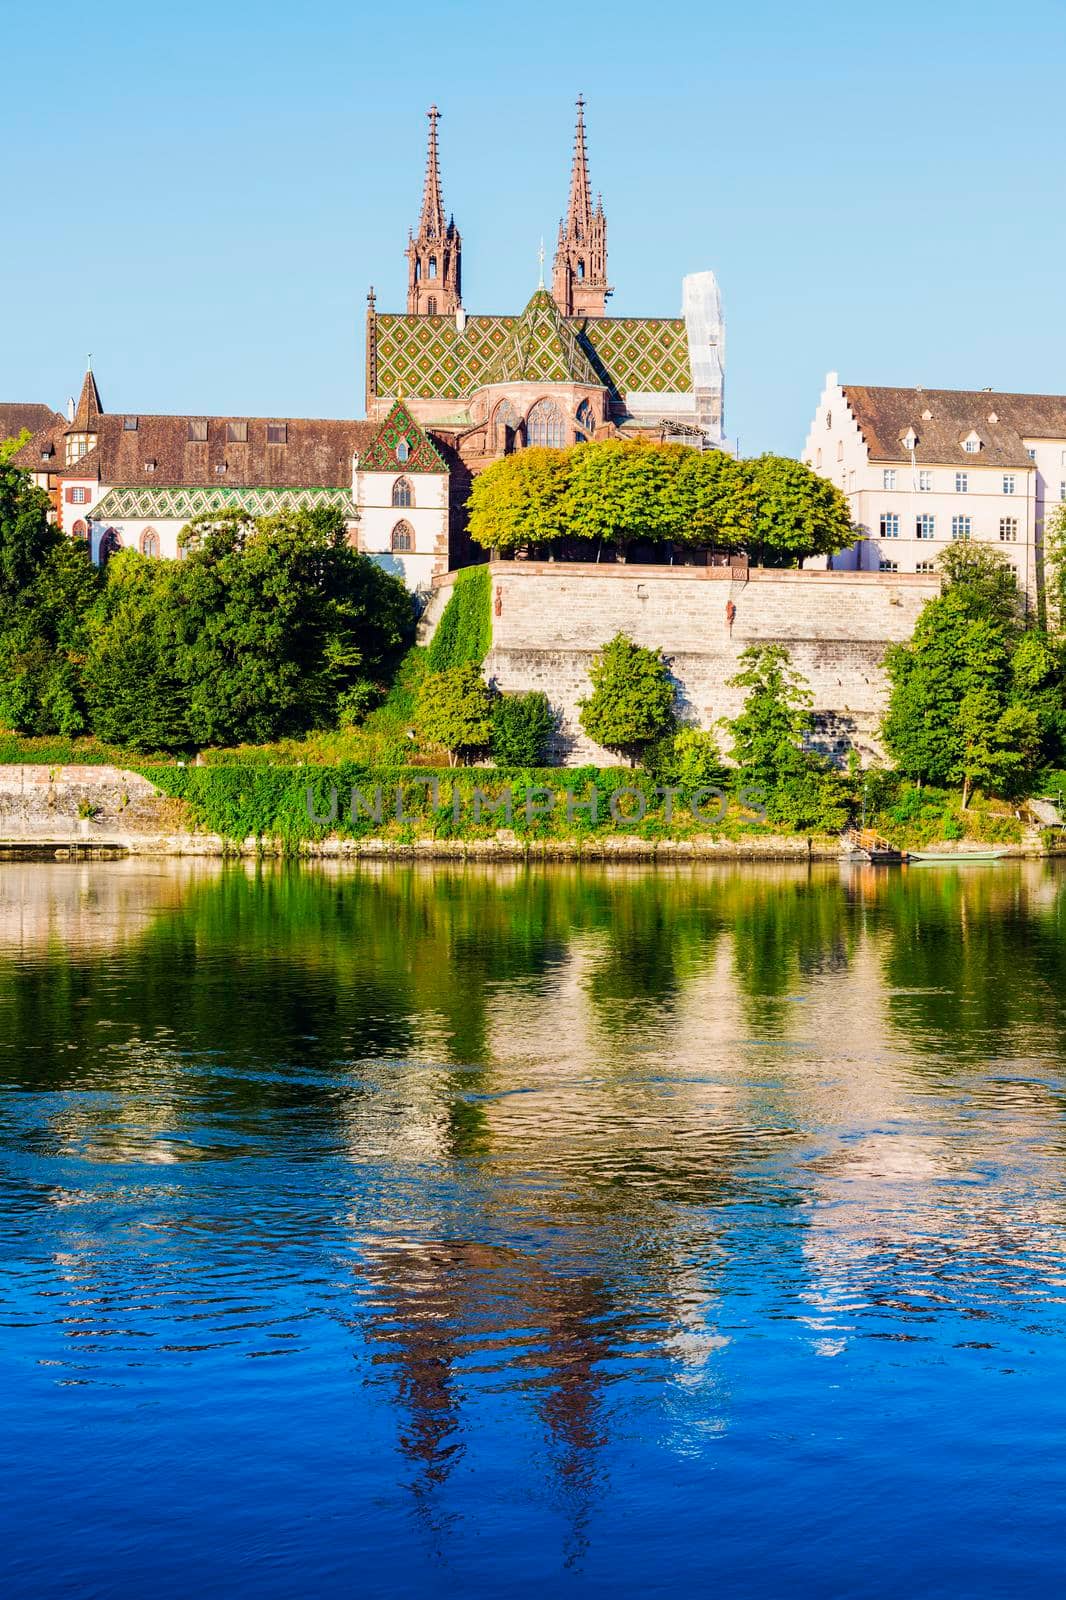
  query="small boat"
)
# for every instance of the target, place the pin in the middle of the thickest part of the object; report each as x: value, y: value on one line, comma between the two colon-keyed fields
x: 993, y: 853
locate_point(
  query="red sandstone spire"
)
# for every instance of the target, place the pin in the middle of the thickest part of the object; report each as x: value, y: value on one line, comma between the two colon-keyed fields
x: 434, y: 253
x: 579, y: 275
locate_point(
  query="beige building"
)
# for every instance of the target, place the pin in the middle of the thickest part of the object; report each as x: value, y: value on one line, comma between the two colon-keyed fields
x: 924, y: 467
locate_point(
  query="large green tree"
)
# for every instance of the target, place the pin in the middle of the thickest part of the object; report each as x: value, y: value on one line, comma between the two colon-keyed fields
x: 455, y: 711
x: 769, y: 736
x: 521, y: 500
x: 632, y: 699
x: 794, y: 512
x: 622, y: 491
x: 972, y: 695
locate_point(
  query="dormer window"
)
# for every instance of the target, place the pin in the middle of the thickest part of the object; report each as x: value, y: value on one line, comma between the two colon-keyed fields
x: 149, y: 466
x: 993, y: 417
x: 129, y: 424
x: 237, y: 432
x: 197, y: 430
x: 910, y: 439
x: 403, y: 452
x: 972, y: 443
x: 221, y: 467
x: 277, y: 433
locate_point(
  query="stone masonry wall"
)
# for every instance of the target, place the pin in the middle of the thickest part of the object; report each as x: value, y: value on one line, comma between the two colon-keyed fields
x: 549, y: 619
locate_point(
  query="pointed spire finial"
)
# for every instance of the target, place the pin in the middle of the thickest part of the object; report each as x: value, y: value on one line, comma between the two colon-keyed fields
x: 540, y: 255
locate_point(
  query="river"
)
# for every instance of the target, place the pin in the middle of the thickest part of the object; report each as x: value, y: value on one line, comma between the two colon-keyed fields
x: 412, y: 1231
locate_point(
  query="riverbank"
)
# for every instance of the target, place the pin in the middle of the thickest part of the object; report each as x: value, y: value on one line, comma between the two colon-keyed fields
x: 350, y: 812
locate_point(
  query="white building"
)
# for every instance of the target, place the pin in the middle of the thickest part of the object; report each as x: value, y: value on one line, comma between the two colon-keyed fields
x: 134, y: 481
x: 924, y: 467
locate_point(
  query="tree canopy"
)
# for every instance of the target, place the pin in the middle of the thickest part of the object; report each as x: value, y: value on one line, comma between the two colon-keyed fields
x: 617, y: 492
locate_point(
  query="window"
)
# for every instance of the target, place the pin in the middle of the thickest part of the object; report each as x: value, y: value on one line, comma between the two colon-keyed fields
x: 403, y: 451
x: 889, y: 525
x: 925, y: 526
x: 1031, y: 454
x: 198, y: 430
x: 149, y: 542
x: 960, y: 527
x: 819, y: 459
x: 840, y: 449
x: 401, y: 492
x: 580, y: 272
x: 925, y: 480
x: 829, y: 419
x: 971, y: 445
x: 78, y: 445
x: 277, y: 433
x: 546, y: 425
x: 962, y: 483
x: 585, y: 419
x: 77, y: 497
x: 403, y: 536
x: 889, y: 566
x: 221, y: 467
x: 888, y: 478
x: 1008, y: 529
x: 1062, y: 490
x: 431, y: 306
x: 926, y: 566
x: 505, y: 425
x: 149, y: 466
x: 237, y: 432
x: 80, y: 530
x: 433, y: 266
x: 109, y: 544
x: 1008, y: 483
x: 129, y: 424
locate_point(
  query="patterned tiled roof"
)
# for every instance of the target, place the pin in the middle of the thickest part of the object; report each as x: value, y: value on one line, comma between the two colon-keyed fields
x: 158, y: 505
x: 542, y: 347
x: 429, y: 358
x: 423, y: 455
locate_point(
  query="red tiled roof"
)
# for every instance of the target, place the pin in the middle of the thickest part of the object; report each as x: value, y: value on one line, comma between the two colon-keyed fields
x: 15, y: 416
x: 1002, y: 422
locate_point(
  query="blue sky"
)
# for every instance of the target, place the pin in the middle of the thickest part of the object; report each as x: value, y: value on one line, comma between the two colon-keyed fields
x: 201, y: 194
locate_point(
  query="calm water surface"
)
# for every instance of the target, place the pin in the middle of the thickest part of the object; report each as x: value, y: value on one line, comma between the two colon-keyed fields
x: 493, y: 1232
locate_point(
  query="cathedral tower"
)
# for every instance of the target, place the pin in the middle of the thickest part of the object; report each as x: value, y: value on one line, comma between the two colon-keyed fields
x: 434, y: 253
x: 579, y: 275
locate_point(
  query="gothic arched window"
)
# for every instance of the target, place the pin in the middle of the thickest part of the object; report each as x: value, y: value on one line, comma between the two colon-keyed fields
x: 546, y: 425
x: 585, y: 420
x: 505, y: 424
x: 403, y: 451
x: 580, y: 271
x: 109, y: 544
x: 433, y: 266
x: 401, y: 492
x: 403, y: 536
x: 149, y: 542
x: 79, y: 530
x: 431, y: 305
x: 418, y: 271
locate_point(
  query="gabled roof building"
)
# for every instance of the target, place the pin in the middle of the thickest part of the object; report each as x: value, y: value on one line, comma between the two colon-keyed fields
x: 923, y: 468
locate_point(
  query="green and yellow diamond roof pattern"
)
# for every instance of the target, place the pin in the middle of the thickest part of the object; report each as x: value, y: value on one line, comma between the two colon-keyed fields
x: 428, y: 358
x: 160, y: 505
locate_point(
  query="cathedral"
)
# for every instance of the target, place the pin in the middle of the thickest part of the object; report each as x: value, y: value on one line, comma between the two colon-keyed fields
x: 447, y: 393
x: 561, y: 371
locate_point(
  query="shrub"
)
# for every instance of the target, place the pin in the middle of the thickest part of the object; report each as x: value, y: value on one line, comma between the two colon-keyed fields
x: 632, y: 699
x: 522, y: 726
x: 689, y: 759
x: 455, y: 711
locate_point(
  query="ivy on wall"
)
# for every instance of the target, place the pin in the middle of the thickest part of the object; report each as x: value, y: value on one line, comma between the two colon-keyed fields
x: 464, y: 632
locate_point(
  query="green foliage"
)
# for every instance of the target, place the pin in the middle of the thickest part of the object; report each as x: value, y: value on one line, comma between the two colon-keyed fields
x: 632, y: 699
x: 455, y: 710
x: 26, y: 535
x: 795, y: 512
x: 11, y: 447
x: 974, y: 700
x: 520, y: 500
x: 618, y: 491
x: 802, y: 793
x: 621, y: 491
x: 464, y: 633
x: 689, y: 758
x: 522, y: 727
